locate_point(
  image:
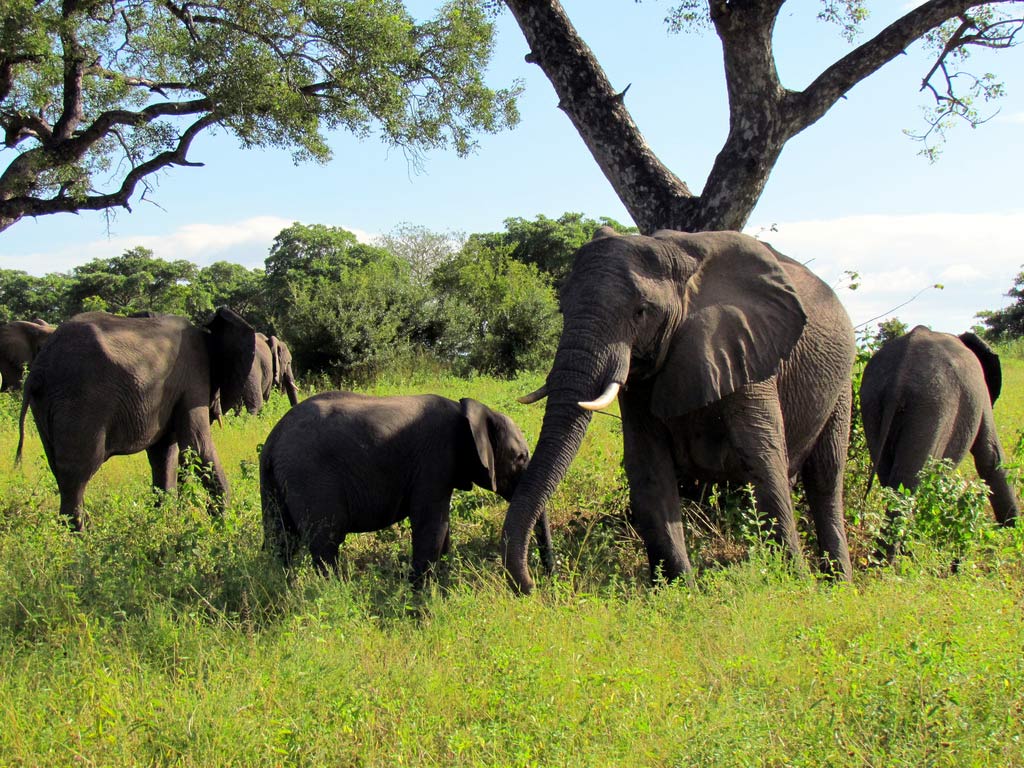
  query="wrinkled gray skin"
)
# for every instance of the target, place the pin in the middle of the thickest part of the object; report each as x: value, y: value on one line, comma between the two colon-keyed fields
x: 105, y: 386
x: 928, y: 394
x: 20, y: 342
x: 272, y: 367
x: 736, y: 364
x: 341, y: 463
x: 283, y: 375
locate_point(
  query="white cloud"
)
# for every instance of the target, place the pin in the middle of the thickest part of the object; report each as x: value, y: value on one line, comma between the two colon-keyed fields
x: 245, y: 242
x: 974, y: 256
x: 1016, y: 118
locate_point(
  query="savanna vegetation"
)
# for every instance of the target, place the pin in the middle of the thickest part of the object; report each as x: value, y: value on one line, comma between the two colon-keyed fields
x: 162, y: 637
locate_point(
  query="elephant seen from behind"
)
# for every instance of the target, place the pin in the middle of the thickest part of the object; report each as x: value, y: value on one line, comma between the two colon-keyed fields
x: 730, y: 362
x: 341, y: 462
x: 106, y: 385
x: 930, y: 395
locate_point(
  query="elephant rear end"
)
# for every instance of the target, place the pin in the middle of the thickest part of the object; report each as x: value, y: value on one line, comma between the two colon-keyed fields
x: 280, y: 535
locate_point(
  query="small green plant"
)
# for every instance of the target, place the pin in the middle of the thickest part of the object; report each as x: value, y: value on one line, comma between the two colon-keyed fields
x: 946, y: 511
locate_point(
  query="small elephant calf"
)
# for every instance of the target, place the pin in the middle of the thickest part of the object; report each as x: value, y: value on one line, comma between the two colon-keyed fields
x: 341, y: 462
x: 928, y: 394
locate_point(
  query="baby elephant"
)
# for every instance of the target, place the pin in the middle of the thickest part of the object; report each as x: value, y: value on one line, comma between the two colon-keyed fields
x: 341, y: 462
x: 928, y: 394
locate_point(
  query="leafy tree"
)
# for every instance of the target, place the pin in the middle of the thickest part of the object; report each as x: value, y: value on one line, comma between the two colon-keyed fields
x: 25, y: 297
x: 96, y: 97
x: 132, y: 282
x: 422, y: 248
x: 347, y: 309
x: 890, y: 329
x: 234, y: 285
x: 549, y: 244
x: 1007, y: 323
x: 763, y: 113
x: 493, y: 314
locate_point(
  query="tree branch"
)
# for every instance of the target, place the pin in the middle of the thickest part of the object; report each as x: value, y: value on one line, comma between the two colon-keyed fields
x: 653, y: 195
x: 15, y: 208
x: 807, y: 107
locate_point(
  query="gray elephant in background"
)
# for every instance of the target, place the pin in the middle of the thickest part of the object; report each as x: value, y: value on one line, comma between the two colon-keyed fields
x: 20, y: 342
x: 341, y: 462
x: 271, y: 367
x: 730, y: 361
x: 106, y: 385
x: 283, y: 375
x: 928, y: 394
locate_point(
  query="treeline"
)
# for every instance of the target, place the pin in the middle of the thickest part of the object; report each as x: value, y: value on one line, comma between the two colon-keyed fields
x: 484, y: 303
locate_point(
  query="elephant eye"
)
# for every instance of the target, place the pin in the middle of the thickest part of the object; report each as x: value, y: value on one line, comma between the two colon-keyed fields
x: 639, y: 312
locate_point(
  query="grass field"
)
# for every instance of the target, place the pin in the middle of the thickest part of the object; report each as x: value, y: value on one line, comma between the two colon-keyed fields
x: 163, y: 638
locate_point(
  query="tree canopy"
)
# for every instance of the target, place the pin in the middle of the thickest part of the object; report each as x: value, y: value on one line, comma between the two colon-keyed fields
x: 763, y: 113
x: 1007, y: 323
x: 97, y: 96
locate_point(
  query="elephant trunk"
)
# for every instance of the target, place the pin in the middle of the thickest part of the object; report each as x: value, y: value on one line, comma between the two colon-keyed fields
x: 288, y: 384
x: 577, y: 376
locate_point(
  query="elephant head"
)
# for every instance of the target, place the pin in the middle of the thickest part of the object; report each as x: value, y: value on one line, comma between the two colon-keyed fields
x: 20, y: 342
x: 231, y: 343
x: 693, y: 316
x: 284, y: 376
x: 498, y: 451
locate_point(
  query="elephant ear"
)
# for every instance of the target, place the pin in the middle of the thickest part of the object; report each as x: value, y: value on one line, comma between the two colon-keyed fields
x: 231, y: 343
x: 741, y: 318
x: 275, y: 359
x: 478, y: 417
x: 990, y: 364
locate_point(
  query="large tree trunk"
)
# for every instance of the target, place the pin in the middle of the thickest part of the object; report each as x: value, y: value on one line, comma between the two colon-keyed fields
x: 763, y: 115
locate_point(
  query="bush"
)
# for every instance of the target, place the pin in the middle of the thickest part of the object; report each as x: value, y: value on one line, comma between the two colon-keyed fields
x: 492, y: 314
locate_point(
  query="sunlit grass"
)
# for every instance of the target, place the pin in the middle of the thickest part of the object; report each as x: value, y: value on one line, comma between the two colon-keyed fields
x: 161, y: 637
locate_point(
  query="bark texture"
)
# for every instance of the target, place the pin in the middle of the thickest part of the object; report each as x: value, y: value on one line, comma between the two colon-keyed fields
x: 763, y: 115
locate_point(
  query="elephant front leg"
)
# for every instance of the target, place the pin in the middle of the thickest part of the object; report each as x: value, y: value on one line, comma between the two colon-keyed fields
x: 756, y: 430
x: 194, y: 433
x: 653, y: 490
x: 430, y: 538
x: 163, y: 462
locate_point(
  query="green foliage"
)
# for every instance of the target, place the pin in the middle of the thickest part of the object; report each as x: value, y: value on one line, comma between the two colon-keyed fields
x: 161, y: 637
x: 275, y: 73
x: 493, y: 314
x: 889, y: 329
x: 1006, y: 324
x: 548, y: 244
x: 24, y: 296
x: 946, y: 512
x: 132, y: 282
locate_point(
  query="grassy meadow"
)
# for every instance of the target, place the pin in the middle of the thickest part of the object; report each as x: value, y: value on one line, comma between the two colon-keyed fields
x: 161, y: 637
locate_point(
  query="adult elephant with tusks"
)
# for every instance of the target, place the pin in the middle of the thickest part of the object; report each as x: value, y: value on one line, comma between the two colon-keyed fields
x: 106, y: 385
x: 731, y: 362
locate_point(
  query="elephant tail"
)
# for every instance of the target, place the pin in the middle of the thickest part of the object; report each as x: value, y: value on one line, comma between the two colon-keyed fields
x: 888, y: 437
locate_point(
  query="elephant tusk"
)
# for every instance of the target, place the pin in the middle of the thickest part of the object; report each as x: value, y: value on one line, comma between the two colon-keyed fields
x: 606, y: 398
x: 533, y: 397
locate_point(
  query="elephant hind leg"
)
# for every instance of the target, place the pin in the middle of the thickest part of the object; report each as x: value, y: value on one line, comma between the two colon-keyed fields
x: 988, y: 460
x: 822, y: 476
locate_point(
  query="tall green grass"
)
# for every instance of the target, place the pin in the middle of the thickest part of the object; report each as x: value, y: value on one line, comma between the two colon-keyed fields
x: 162, y: 637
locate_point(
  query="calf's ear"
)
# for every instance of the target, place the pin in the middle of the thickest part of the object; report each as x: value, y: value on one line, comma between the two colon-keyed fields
x: 478, y: 418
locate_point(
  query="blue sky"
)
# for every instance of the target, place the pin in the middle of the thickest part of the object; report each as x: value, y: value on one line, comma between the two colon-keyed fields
x: 850, y: 193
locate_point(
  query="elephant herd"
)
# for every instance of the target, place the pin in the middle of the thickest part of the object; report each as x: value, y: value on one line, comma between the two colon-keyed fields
x: 730, y: 363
